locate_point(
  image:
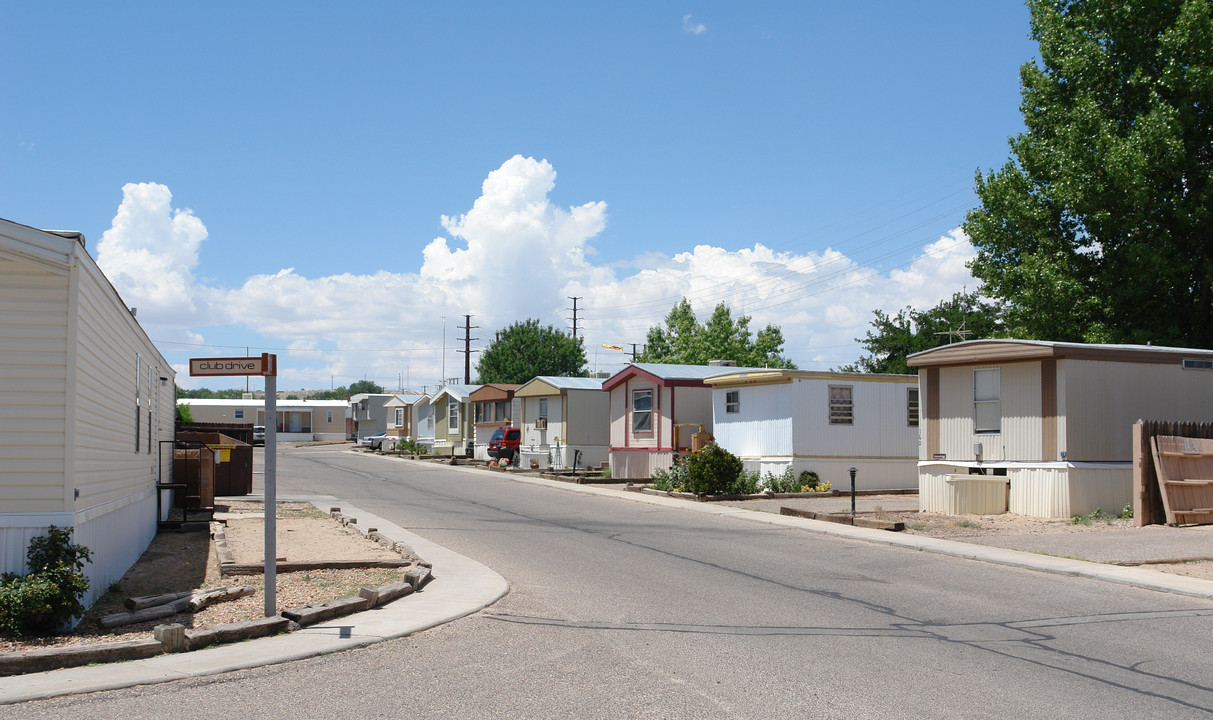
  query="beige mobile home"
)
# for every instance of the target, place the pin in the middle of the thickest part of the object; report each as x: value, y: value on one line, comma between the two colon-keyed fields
x: 453, y: 430
x: 564, y: 419
x: 402, y: 420
x: 824, y: 422
x: 85, y: 402
x: 654, y: 411
x: 298, y: 420
x: 1054, y: 419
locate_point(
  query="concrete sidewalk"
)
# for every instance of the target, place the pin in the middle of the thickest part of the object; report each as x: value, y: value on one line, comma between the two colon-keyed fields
x: 460, y: 587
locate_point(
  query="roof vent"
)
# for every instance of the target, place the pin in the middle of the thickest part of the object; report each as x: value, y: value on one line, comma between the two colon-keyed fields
x: 722, y: 363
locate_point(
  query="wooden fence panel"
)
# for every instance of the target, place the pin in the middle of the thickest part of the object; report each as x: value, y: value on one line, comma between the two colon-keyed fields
x: 1147, y: 498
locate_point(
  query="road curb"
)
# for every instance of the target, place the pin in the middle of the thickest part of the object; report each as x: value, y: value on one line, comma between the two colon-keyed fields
x: 466, y: 587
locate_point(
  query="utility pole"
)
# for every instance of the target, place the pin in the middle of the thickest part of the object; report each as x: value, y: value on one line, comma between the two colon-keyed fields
x: 634, y: 345
x: 467, y: 351
x: 574, y: 299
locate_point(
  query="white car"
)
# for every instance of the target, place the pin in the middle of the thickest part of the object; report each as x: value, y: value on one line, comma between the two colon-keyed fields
x: 370, y: 440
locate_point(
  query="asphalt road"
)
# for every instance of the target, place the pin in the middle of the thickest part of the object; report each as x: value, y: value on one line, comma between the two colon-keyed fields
x: 624, y: 610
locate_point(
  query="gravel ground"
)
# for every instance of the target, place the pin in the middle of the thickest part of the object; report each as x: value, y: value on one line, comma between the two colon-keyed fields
x: 187, y: 561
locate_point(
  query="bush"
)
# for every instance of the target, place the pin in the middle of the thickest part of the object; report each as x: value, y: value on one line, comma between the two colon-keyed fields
x: 810, y: 481
x: 674, y: 479
x: 49, y: 596
x: 713, y: 471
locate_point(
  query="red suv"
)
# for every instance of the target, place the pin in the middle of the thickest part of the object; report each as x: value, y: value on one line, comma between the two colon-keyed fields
x: 505, y: 443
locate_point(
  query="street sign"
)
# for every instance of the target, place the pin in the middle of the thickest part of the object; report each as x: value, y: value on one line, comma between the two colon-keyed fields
x: 266, y: 365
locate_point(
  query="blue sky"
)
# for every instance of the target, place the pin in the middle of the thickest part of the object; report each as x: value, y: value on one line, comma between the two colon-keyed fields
x: 327, y: 182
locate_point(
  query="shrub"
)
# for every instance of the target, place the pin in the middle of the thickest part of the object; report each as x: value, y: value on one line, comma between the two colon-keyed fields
x: 674, y: 479
x: 49, y: 595
x: 810, y: 481
x: 713, y: 471
x: 747, y: 483
x: 785, y: 482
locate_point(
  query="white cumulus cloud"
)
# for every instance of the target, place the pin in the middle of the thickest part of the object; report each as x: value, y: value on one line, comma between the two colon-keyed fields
x: 513, y: 255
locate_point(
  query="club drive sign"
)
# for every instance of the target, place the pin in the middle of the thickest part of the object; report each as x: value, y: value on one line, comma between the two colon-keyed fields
x: 266, y: 365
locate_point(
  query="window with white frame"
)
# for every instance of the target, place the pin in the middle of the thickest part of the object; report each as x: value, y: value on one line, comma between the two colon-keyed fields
x: 543, y: 408
x: 329, y: 417
x: 399, y: 417
x: 912, y: 407
x: 238, y: 414
x: 642, y: 411
x: 452, y: 411
x: 987, y: 403
x: 732, y: 401
x: 842, y: 409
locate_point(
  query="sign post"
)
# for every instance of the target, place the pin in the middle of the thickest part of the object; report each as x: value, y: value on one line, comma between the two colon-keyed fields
x: 266, y: 366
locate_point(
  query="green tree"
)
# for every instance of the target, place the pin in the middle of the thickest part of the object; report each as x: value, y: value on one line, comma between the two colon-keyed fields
x: 184, y: 414
x: 526, y: 350
x: 684, y: 341
x: 1098, y: 228
x: 894, y: 337
x: 365, y: 386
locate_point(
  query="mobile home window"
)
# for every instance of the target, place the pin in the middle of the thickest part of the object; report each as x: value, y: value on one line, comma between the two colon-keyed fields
x: 912, y: 407
x: 238, y: 414
x: 987, y: 405
x: 399, y: 417
x: 543, y: 408
x: 732, y: 401
x: 138, y: 400
x: 642, y: 411
x: 452, y: 409
x: 329, y: 417
x: 842, y: 409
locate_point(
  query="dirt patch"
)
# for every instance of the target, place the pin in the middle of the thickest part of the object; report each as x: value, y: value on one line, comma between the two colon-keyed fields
x: 181, y: 561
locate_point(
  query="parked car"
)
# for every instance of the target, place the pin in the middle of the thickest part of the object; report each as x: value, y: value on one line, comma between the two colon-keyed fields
x: 258, y: 434
x: 505, y: 444
x: 368, y: 441
x: 383, y: 441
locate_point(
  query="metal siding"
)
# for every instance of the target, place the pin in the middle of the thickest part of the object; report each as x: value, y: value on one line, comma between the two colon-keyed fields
x: 618, y: 416
x: 33, y: 386
x: 1104, y: 399
x: 587, y: 418
x: 639, y: 464
x: 1021, y: 415
x: 1068, y: 491
x: 107, y: 467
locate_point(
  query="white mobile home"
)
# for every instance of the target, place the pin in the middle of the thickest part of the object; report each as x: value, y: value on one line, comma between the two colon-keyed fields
x: 1054, y: 418
x: 561, y: 417
x: 825, y: 422
x: 85, y: 402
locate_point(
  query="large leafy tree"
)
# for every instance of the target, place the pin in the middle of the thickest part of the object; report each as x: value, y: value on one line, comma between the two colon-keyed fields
x: 894, y: 337
x: 526, y: 350
x: 1099, y: 227
x: 684, y: 341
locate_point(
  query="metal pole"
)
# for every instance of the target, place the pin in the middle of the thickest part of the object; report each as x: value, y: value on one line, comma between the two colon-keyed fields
x: 852, y: 471
x: 271, y: 494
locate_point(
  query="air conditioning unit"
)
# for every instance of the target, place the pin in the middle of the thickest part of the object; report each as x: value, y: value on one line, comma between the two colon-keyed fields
x: 541, y: 424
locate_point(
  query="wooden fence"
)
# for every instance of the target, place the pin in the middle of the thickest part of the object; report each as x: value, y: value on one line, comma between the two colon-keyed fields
x: 1147, y: 498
